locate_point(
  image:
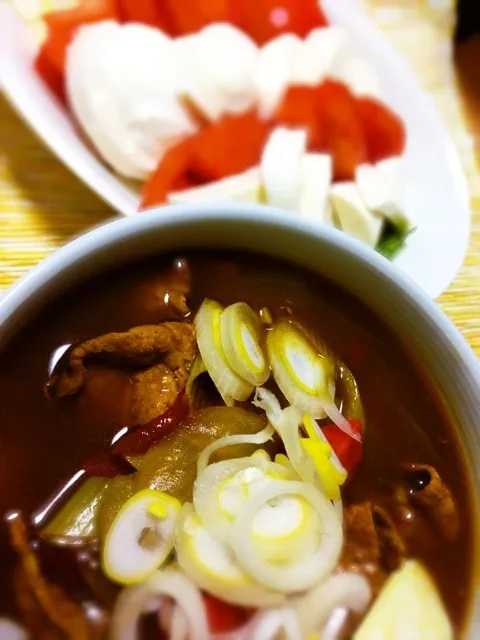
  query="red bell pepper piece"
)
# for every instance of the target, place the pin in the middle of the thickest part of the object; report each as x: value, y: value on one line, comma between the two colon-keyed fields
x: 343, y: 133
x: 266, y: 19
x: 140, y: 439
x: 150, y: 12
x: 348, y: 450
x: 170, y: 175
x: 222, y: 616
x: 385, y: 131
x: 231, y: 145
x: 189, y: 16
x: 61, y: 27
x: 107, y: 465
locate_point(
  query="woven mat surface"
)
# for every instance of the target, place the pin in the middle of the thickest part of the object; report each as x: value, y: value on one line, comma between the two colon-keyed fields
x: 43, y: 206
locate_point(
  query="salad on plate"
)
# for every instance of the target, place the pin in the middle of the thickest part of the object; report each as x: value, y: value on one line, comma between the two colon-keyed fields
x: 220, y: 101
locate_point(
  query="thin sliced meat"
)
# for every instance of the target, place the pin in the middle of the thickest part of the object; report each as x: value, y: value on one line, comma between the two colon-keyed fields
x: 372, y: 545
x: 43, y: 605
x: 429, y: 494
x: 171, y: 343
x: 154, y: 391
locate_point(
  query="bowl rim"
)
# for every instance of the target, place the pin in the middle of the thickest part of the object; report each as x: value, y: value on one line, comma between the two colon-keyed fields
x: 53, y: 273
x: 118, y: 230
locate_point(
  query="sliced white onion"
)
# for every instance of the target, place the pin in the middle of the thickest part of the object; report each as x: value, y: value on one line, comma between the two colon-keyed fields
x: 227, y: 441
x: 310, y: 568
x: 214, y: 568
x: 207, y: 326
x: 179, y: 625
x: 346, y: 590
x: 136, y: 600
x: 287, y: 423
x: 335, y: 416
x: 275, y: 623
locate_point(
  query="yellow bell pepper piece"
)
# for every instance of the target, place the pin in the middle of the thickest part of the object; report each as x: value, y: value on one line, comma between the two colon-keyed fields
x: 330, y: 477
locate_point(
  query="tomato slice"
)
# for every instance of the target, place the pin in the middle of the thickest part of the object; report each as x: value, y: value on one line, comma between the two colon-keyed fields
x: 224, y: 617
x: 228, y: 146
x: 189, y: 16
x: 266, y: 19
x: 348, y: 450
x: 298, y: 108
x: 385, y: 131
x: 61, y: 27
x: 50, y: 74
x: 149, y: 12
x: 170, y: 175
x: 343, y: 135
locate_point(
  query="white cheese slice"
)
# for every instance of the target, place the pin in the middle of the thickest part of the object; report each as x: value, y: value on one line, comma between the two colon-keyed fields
x: 316, y: 181
x: 274, y: 71
x: 408, y: 606
x: 354, y: 217
x: 359, y: 75
x: 381, y: 188
x: 319, y: 54
x: 281, y: 167
x: 220, y: 61
x: 243, y: 187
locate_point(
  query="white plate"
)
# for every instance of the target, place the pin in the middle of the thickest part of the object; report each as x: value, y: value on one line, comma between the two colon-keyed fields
x: 436, y: 197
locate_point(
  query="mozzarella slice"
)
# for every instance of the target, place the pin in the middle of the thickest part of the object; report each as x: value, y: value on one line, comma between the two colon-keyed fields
x: 359, y: 75
x: 221, y: 61
x: 123, y: 86
x: 281, y: 167
x: 316, y: 180
x: 354, y: 217
x: 274, y: 71
x: 319, y: 54
x: 244, y: 187
x: 381, y: 187
x: 408, y: 606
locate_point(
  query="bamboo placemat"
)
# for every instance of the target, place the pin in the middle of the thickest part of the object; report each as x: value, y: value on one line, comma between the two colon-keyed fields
x: 43, y: 206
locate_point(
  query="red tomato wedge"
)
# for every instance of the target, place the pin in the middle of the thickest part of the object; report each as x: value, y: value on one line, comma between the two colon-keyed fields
x: 348, y: 450
x: 188, y: 16
x: 231, y: 145
x: 266, y: 19
x: 343, y: 133
x: 385, y: 131
x: 61, y: 27
x: 150, y: 12
x: 224, y: 617
x: 50, y: 74
x: 170, y: 175
x: 298, y: 108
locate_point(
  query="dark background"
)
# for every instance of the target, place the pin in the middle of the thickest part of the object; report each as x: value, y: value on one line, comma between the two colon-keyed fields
x: 468, y: 21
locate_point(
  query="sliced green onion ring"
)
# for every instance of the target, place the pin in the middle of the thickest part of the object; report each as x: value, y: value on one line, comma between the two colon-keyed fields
x: 219, y: 493
x: 242, y: 341
x: 207, y: 326
x: 303, y: 375
x: 212, y: 566
x: 311, y: 568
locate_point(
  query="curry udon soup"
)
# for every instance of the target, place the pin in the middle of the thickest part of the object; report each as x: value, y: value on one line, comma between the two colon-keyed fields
x: 212, y: 444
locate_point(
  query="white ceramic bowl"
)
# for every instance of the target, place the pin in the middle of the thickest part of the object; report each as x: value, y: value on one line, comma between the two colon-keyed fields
x: 436, y: 195
x: 425, y: 331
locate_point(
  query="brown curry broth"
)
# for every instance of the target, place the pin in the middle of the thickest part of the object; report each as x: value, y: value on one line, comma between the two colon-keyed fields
x: 44, y: 443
